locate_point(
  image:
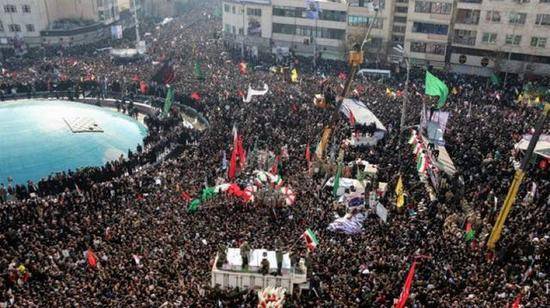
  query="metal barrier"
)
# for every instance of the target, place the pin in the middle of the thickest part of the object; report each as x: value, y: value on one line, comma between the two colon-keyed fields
x: 111, y: 97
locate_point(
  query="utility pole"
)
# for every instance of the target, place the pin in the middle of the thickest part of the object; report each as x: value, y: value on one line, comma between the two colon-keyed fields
x: 138, y: 38
x: 518, y: 178
x: 404, y: 58
x: 242, y: 39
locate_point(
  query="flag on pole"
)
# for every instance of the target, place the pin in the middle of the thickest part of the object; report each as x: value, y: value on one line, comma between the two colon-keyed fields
x: 294, y: 75
x: 311, y: 240
x: 470, y: 234
x: 193, y: 206
x: 351, y: 119
x: 436, y: 87
x: 336, y: 183
x: 517, y: 301
x: 91, y: 258
x: 185, y: 196
x: 400, y: 198
x: 407, y: 288
x: 168, y: 101
x: 198, y: 71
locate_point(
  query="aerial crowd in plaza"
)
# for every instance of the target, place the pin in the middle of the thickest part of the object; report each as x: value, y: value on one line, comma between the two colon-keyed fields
x: 132, y: 215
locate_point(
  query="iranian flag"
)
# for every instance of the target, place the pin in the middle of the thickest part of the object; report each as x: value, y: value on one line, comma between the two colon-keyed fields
x: 421, y: 163
x: 311, y: 239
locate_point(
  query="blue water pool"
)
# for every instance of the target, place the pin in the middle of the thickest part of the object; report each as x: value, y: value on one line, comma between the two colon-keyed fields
x: 37, y: 137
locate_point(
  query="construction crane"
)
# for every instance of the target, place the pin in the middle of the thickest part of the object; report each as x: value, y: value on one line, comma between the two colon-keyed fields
x: 518, y: 178
x: 355, y: 59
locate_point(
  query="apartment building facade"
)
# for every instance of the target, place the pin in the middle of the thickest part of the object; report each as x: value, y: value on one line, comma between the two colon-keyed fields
x: 48, y: 22
x: 468, y: 36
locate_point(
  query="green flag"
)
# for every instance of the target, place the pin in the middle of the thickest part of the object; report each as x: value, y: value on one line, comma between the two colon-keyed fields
x: 193, y: 206
x: 168, y: 101
x: 436, y: 87
x: 495, y: 80
x: 470, y: 235
x: 198, y: 71
x: 336, y: 183
x: 208, y: 193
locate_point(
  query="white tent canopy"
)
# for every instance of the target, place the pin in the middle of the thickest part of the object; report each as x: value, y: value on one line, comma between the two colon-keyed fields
x: 363, y: 116
x: 542, y: 148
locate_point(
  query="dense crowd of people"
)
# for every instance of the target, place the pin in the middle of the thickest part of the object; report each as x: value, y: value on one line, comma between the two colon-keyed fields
x: 133, y: 209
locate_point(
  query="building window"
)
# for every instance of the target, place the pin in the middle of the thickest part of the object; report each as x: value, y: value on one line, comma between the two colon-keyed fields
x: 543, y: 19
x: 233, y: 9
x: 468, y: 17
x: 435, y: 48
x: 539, y: 42
x: 14, y: 28
x: 400, y: 19
x: 422, y: 27
x: 233, y: 30
x: 8, y: 8
x: 321, y: 32
x: 380, y: 4
x: 489, y: 38
x: 254, y: 12
x: 30, y: 28
x: 512, y: 39
x: 226, y: 8
x: 418, y: 47
x: 364, y: 21
x: 1, y: 26
x: 492, y: 16
x: 544, y: 1
x: 227, y: 28
x: 432, y: 48
x: 401, y: 9
x: 517, y: 18
x: 465, y: 37
x: 26, y: 8
x: 432, y: 7
x: 399, y: 29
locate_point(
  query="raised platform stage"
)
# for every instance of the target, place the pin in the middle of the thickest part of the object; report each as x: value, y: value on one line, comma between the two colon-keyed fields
x: 232, y: 274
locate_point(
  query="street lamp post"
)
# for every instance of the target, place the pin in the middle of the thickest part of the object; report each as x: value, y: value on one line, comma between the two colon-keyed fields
x: 405, y: 59
x: 242, y: 39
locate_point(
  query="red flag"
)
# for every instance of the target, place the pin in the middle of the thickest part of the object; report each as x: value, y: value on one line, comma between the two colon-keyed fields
x: 351, y: 119
x: 92, y: 258
x: 232, y: 165
x: 308, y: 153
x: 185, y: 196
x: 517, y: 301
x: 241, y: 153
x: 143, y: 87
x: 135, y: 78
x: 406, y: 289
x: 195, y: 96
x: 275, y: 167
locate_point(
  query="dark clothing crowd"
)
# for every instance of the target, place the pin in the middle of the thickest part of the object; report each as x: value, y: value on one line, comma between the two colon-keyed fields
x: 152, y: 252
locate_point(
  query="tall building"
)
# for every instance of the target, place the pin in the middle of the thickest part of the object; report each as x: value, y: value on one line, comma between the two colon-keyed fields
x: 468, y: 36
x: 49, y: 22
